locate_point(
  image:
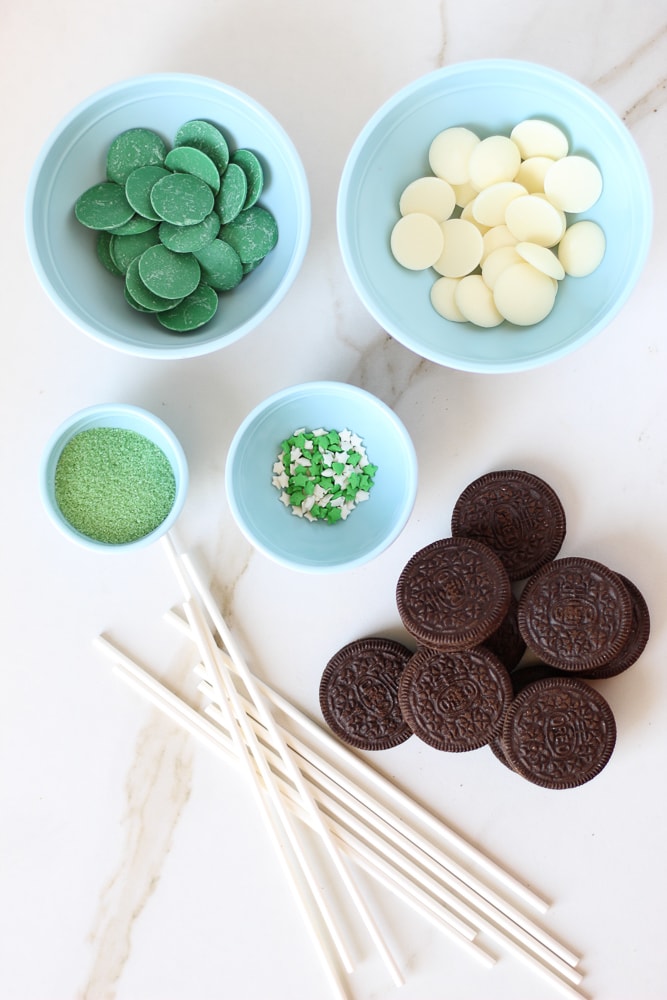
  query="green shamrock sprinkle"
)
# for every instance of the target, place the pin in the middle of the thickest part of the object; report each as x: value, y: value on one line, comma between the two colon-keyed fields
x: 322, y: 475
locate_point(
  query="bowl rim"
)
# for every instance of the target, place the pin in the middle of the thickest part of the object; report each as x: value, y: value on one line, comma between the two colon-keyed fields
x: 319, y: 387
x: 473, y: 66
x: 88, y: 417
x: 302, y: 197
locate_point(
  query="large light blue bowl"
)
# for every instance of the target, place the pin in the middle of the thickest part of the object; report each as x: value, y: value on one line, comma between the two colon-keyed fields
x: 317, y: 547
x: 127, y: 417
x: 73, y: 159
x: 489, y: 96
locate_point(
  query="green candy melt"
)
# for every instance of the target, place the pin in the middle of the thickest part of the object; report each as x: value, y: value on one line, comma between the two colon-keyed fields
x: 124, y: 249
x: 253, y: 233
x: 220, y: 265
x: 232, y: 195
x: 131, y: 301
x: 167, y: 274
x: 205, y: 136
x: 252, y: 168
x: 104, y: 254
x: 140, y: 296
x: 189, y: 239
x: 138, y: 187
x: 136, y: 147
x: 103, y: 206
x: 137, y: 224
x: 182, y: 199
x: 190, y: 160
x: 180, y: 226
x: 194, y: 311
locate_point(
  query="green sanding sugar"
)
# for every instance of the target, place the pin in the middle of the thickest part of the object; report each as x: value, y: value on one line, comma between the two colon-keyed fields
x: 322, y: 475
x: 114, y: 485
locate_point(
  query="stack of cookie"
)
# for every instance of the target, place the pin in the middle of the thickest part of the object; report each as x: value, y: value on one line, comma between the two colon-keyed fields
x: 507, y: 638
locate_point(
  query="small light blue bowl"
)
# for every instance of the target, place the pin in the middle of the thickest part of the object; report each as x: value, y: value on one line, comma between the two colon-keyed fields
x: 489, y: 96
x: 128, y: 417
x: 73, y: 159
x: 318, y: 547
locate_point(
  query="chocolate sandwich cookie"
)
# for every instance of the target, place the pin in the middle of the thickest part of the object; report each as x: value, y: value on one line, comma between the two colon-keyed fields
x: 576, y: 614
x: 454, y: 700
x: 516, y: 514
x: 359, y: 693
x: 558, y: 732
x: 634, y: 645
x: 521, y: 678
x: 496, y: 748
x: 453, y: 593
x: 507, y: 642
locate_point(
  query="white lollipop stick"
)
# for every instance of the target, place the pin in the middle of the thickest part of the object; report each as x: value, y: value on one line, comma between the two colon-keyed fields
x: 245, y: 743
x: 293, y: 772
x: 219, y: 741
x: 173, y: 707
x: 236, y: 721
x: 476, y: 910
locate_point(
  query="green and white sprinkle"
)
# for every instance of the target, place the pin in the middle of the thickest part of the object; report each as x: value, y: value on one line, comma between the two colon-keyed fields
x: 322, y: 475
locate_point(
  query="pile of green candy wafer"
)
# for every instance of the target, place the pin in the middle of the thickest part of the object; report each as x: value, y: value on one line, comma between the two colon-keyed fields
x: 179, y: 225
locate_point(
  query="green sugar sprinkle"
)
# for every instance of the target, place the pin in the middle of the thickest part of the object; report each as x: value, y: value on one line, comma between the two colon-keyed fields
x: 114, y: 485
x: 322, y: 475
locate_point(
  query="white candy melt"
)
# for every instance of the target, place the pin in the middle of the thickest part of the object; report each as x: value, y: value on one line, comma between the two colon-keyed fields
x: 542, y: 258
x: 490, y: 205
x: 582, y: 248
x: 461, y: 250
x: 443, y: 292
x: 464, y: 193
x: 536, y: 137
x: 497, y: 262
x: 531, y: 173
x: 475, y: 300
x: 524, y: 295
x: 449, y: 154
x: 533, y: 219
x: 430, y: 195
x: 417, y: 241
x: 493, y: 160
x: 468, y: 215
x: 573, y: 184
x: 493, y: 239
x: 492, y: 222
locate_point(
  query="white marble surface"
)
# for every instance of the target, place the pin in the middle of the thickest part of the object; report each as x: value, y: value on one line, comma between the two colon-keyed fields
x: 133, y: 864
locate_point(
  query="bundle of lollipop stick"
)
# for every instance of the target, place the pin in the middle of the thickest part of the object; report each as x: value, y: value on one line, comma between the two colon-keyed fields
x: 310, y: 787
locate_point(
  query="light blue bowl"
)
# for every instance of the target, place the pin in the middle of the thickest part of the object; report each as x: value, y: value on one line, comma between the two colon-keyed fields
x: 73, y: 159
x: 489, y: 96
x: 128, y: 417
x: 318, y: 547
